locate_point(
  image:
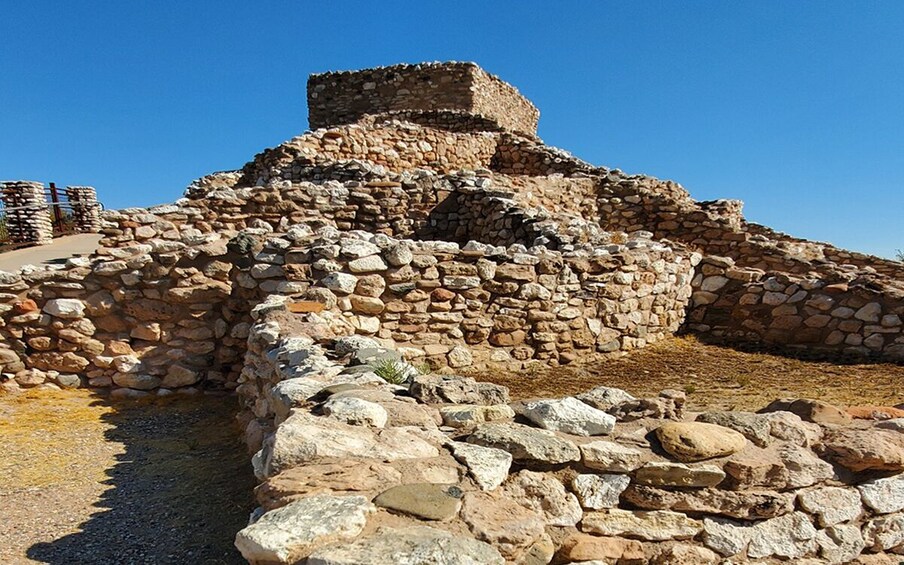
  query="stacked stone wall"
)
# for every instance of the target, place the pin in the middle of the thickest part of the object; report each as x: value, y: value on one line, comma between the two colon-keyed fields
x: 345, y: 97
x: 144, y: 314
x: 26, y: 214
x: 85, y: 208
x: 398, y: 146
x: 856, y: 317
x: 166, y: 306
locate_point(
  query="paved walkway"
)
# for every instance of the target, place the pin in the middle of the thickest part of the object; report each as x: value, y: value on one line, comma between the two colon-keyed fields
x: 57, y: 252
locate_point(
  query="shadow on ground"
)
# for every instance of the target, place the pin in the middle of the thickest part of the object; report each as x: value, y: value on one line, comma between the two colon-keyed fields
x: 178, y: 493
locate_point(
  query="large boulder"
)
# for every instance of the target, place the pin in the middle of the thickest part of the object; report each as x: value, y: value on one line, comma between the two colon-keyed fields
x: 864, y: 450
x: 303, y: 438
x: 488, y: 466
x: 697, y: 441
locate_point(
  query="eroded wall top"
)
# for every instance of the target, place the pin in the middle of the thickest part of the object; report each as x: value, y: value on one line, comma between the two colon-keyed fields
x: 463, y: 88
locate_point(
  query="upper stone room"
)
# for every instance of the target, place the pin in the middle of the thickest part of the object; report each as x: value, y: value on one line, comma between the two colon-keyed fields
x: 425, y: 89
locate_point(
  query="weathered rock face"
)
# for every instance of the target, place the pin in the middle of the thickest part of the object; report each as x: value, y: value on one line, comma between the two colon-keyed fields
x: 693, y: 441
x: 570, y: 416
x: 410, y: 546
x: 526, y: 444
x: 287, y: 534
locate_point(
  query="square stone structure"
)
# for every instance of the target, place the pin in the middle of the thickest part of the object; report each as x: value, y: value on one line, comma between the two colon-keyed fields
x: 464, y: 89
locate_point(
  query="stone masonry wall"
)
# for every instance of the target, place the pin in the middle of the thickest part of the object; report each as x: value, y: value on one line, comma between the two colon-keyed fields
x: 27, y: 216
x: 854, y: 317
x: 344, y: 97
x: 398, y: 146
x: 85, y: 208
x: 166, y: 306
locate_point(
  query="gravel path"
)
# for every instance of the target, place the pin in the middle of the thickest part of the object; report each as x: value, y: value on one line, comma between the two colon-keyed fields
x: 90, y: 481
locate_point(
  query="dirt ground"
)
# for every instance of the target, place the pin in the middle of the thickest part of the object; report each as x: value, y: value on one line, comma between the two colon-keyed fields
x: 86, y: 480
x: 715, y: 377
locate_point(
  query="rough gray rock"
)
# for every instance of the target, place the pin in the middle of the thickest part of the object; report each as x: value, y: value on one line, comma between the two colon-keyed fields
x: 604, y: 397
x: 527, y: 445
x: 488, y: 466
x: 570, y: 416
x: 831, y: 504
x: 287, y: 534
x: 441, y: 389
x: 416, y: 545
x: 755, y: 427
x: 883, y: 495
x: 791, y: 536
x: 596, y: 492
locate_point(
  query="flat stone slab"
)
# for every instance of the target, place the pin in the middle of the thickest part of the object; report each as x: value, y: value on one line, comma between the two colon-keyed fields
x: 748, y: 505
x: 569, y: 415
x: 526, y: 444
x: 645, y: 525
x: 425, y: 500
x: 864, y: 450
x: 290, y: 533
x: 664, y: 474
x: 418, y: 545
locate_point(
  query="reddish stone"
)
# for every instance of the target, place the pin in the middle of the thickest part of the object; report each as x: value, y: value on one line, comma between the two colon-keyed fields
x: 874, y: 412
x: 25, y: 306
x: 442, y: 295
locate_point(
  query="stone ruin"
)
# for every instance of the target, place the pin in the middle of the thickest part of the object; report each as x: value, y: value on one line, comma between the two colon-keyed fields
x: 339, y: 281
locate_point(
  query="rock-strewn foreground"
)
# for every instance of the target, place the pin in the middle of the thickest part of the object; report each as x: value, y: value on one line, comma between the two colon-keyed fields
x: 351, y: 464
x: 338, y: 282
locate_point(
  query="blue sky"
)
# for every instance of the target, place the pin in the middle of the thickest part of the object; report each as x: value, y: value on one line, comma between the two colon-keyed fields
x: 797, y: 108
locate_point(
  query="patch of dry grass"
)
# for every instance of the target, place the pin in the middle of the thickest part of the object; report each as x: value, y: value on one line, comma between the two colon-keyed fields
x: 714, y: 377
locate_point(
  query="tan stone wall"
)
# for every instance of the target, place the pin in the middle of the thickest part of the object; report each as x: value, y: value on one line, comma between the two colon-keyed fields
x: 816, y: 316
x: 344, y: 97
x: 398, y: 146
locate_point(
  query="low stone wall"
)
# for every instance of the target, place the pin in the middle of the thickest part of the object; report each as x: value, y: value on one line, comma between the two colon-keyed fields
x: 345, y: 97
x: 848, y: 316
x: 445, y: 303
x: 158, y: 313
x: 355, y: 469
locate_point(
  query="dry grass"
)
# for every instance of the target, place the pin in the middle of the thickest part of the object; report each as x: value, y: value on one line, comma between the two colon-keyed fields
x: 715, y: 377
x: 87, y: 480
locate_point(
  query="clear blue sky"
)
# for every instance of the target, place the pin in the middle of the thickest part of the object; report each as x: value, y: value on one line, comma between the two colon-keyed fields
x: 795, y: 107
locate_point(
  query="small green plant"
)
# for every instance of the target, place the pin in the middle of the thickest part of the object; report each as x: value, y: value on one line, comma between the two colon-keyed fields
x: 423, y: 369
x: 390, y: 371
x: 742, y: 380
x: 690, y: 389
x: 899, y: 255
